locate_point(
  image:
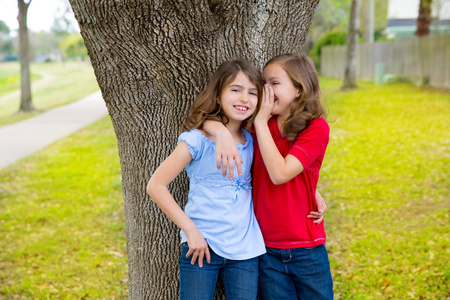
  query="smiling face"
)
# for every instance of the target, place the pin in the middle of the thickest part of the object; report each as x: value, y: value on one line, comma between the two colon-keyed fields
x: 285, y: 92
x: 239, y: 99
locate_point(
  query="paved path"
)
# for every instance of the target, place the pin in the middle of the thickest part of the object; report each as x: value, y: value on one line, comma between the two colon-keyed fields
x: 26, y: 137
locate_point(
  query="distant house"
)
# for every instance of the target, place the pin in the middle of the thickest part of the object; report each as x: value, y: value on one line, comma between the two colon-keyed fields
x: 405, y: 28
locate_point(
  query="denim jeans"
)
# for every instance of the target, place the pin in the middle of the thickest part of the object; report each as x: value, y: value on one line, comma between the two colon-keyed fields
x: 239, y: 277
x: 300, y: 273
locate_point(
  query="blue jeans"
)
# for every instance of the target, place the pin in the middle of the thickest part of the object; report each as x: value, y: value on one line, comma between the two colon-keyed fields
x: 239, y: 277
x: 300, y: 273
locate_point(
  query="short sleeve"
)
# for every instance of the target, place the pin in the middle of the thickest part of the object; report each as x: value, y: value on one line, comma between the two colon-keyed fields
x: 193, y: 139
x: 311, y: 143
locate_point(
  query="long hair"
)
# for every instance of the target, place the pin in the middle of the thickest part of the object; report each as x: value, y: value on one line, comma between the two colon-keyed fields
x: 307, y: 106
x: 207, y: 105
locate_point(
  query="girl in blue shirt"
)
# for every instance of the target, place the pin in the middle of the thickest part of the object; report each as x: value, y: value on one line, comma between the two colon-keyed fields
x: 218, y: 224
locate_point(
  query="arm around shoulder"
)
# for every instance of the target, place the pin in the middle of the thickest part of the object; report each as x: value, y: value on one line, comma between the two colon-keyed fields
x: 227, y: 152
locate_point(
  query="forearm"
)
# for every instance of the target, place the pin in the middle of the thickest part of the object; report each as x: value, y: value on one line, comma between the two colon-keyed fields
x: 319, y: 196
x: 214, y: 128
x: 273, y: 160
x: 198, y: 247
x: 280, y: 169
x: 162, y: 197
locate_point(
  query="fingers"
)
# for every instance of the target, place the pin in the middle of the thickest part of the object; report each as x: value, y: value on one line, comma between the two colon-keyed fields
x: 199, y: 254
x: 227, y: 164
x: 238, y: 160
x: 268, y: 95
x: 190, y: 251
x: 318, y: 215
x: 208, y: 256
x: 267, y: 102
x: 224, y: 166
x: 319, y: 220
x: 218, y: 159
x: 200, y: 258
x: 230, y: 169
x: 194, y: 258
x: 272, y: 95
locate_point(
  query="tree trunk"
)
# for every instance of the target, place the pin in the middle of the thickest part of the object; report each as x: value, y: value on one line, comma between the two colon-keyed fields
x: 424, y: 18
x: 368, y: 20
x: 24, y: 51
x: 151, y: 58
x: 352, y: 42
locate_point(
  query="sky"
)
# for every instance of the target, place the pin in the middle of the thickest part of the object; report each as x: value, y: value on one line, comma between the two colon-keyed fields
x: 408, y: 9
x: 402, y: 9
x: 41, y: 13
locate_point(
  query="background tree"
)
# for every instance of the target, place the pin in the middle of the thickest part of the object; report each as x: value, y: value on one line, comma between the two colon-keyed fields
x: 328, y: 27
x: 6, y: 44
x: 352, y: 43
x: 72, y: 46
x: 49, y: 44
x: 330, y: 15
x: 151, y: 58
x: 24, y: 53
x: 373, y: 12
x: 330, y: 24
x: 424, y: 18
x: 368, y: 17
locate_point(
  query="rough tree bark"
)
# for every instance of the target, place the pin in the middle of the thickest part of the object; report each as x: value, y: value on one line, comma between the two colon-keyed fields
x: 352, y: 43
x: 424, y: 18
x: 151, y: 58
x: 24, y: 51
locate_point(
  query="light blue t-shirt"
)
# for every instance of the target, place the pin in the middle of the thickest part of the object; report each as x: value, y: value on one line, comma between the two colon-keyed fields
x: 222, y: 209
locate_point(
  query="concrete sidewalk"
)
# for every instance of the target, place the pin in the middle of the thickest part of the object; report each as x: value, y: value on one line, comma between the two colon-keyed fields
x: 26, y: 137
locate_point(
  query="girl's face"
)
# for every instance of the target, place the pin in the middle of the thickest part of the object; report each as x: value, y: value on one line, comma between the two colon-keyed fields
x: 239, y: 99
x: 284, y: 90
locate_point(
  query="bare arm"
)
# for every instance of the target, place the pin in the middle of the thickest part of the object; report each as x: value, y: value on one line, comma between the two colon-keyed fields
x: 226, y: 149
x: 280, y: 169
x: 157, y: 189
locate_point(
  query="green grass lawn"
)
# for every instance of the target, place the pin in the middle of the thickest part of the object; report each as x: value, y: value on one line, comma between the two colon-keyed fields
x: 53, y: 84
x: 10, y: 77
x: 385, y: 178
x: 62, y: 228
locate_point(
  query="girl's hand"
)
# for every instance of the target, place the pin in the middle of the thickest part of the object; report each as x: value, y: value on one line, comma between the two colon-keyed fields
x: 197, y: 247
x: 321, y: 209
x: 265, y: 111
x: 228, y: 153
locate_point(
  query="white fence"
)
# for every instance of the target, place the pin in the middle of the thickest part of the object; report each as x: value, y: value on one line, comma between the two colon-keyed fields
x: 420, y: 60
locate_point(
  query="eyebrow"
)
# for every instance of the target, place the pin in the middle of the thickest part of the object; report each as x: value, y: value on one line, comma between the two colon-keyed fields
x: 240, y: 86
x: 272, y: 78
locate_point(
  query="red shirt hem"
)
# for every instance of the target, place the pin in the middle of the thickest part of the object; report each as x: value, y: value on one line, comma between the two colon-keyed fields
x: 292, y: 245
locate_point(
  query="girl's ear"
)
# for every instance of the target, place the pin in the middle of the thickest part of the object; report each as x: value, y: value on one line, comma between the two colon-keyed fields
x: 298, y: 93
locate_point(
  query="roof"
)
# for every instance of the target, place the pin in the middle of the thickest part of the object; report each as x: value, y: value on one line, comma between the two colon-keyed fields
x: 412, y: 22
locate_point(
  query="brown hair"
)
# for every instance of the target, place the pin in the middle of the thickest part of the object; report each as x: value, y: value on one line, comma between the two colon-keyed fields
x: 207, y: 105
x: 307, y: 106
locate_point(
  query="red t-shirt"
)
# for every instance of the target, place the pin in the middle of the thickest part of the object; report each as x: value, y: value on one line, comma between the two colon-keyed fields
x: 281, y: 210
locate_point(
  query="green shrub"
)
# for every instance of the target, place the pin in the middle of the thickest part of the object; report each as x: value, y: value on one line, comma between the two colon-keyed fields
x: 336, y: 37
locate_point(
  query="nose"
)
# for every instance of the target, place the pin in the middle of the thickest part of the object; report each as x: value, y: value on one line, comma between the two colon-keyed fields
x: 244, y: 97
